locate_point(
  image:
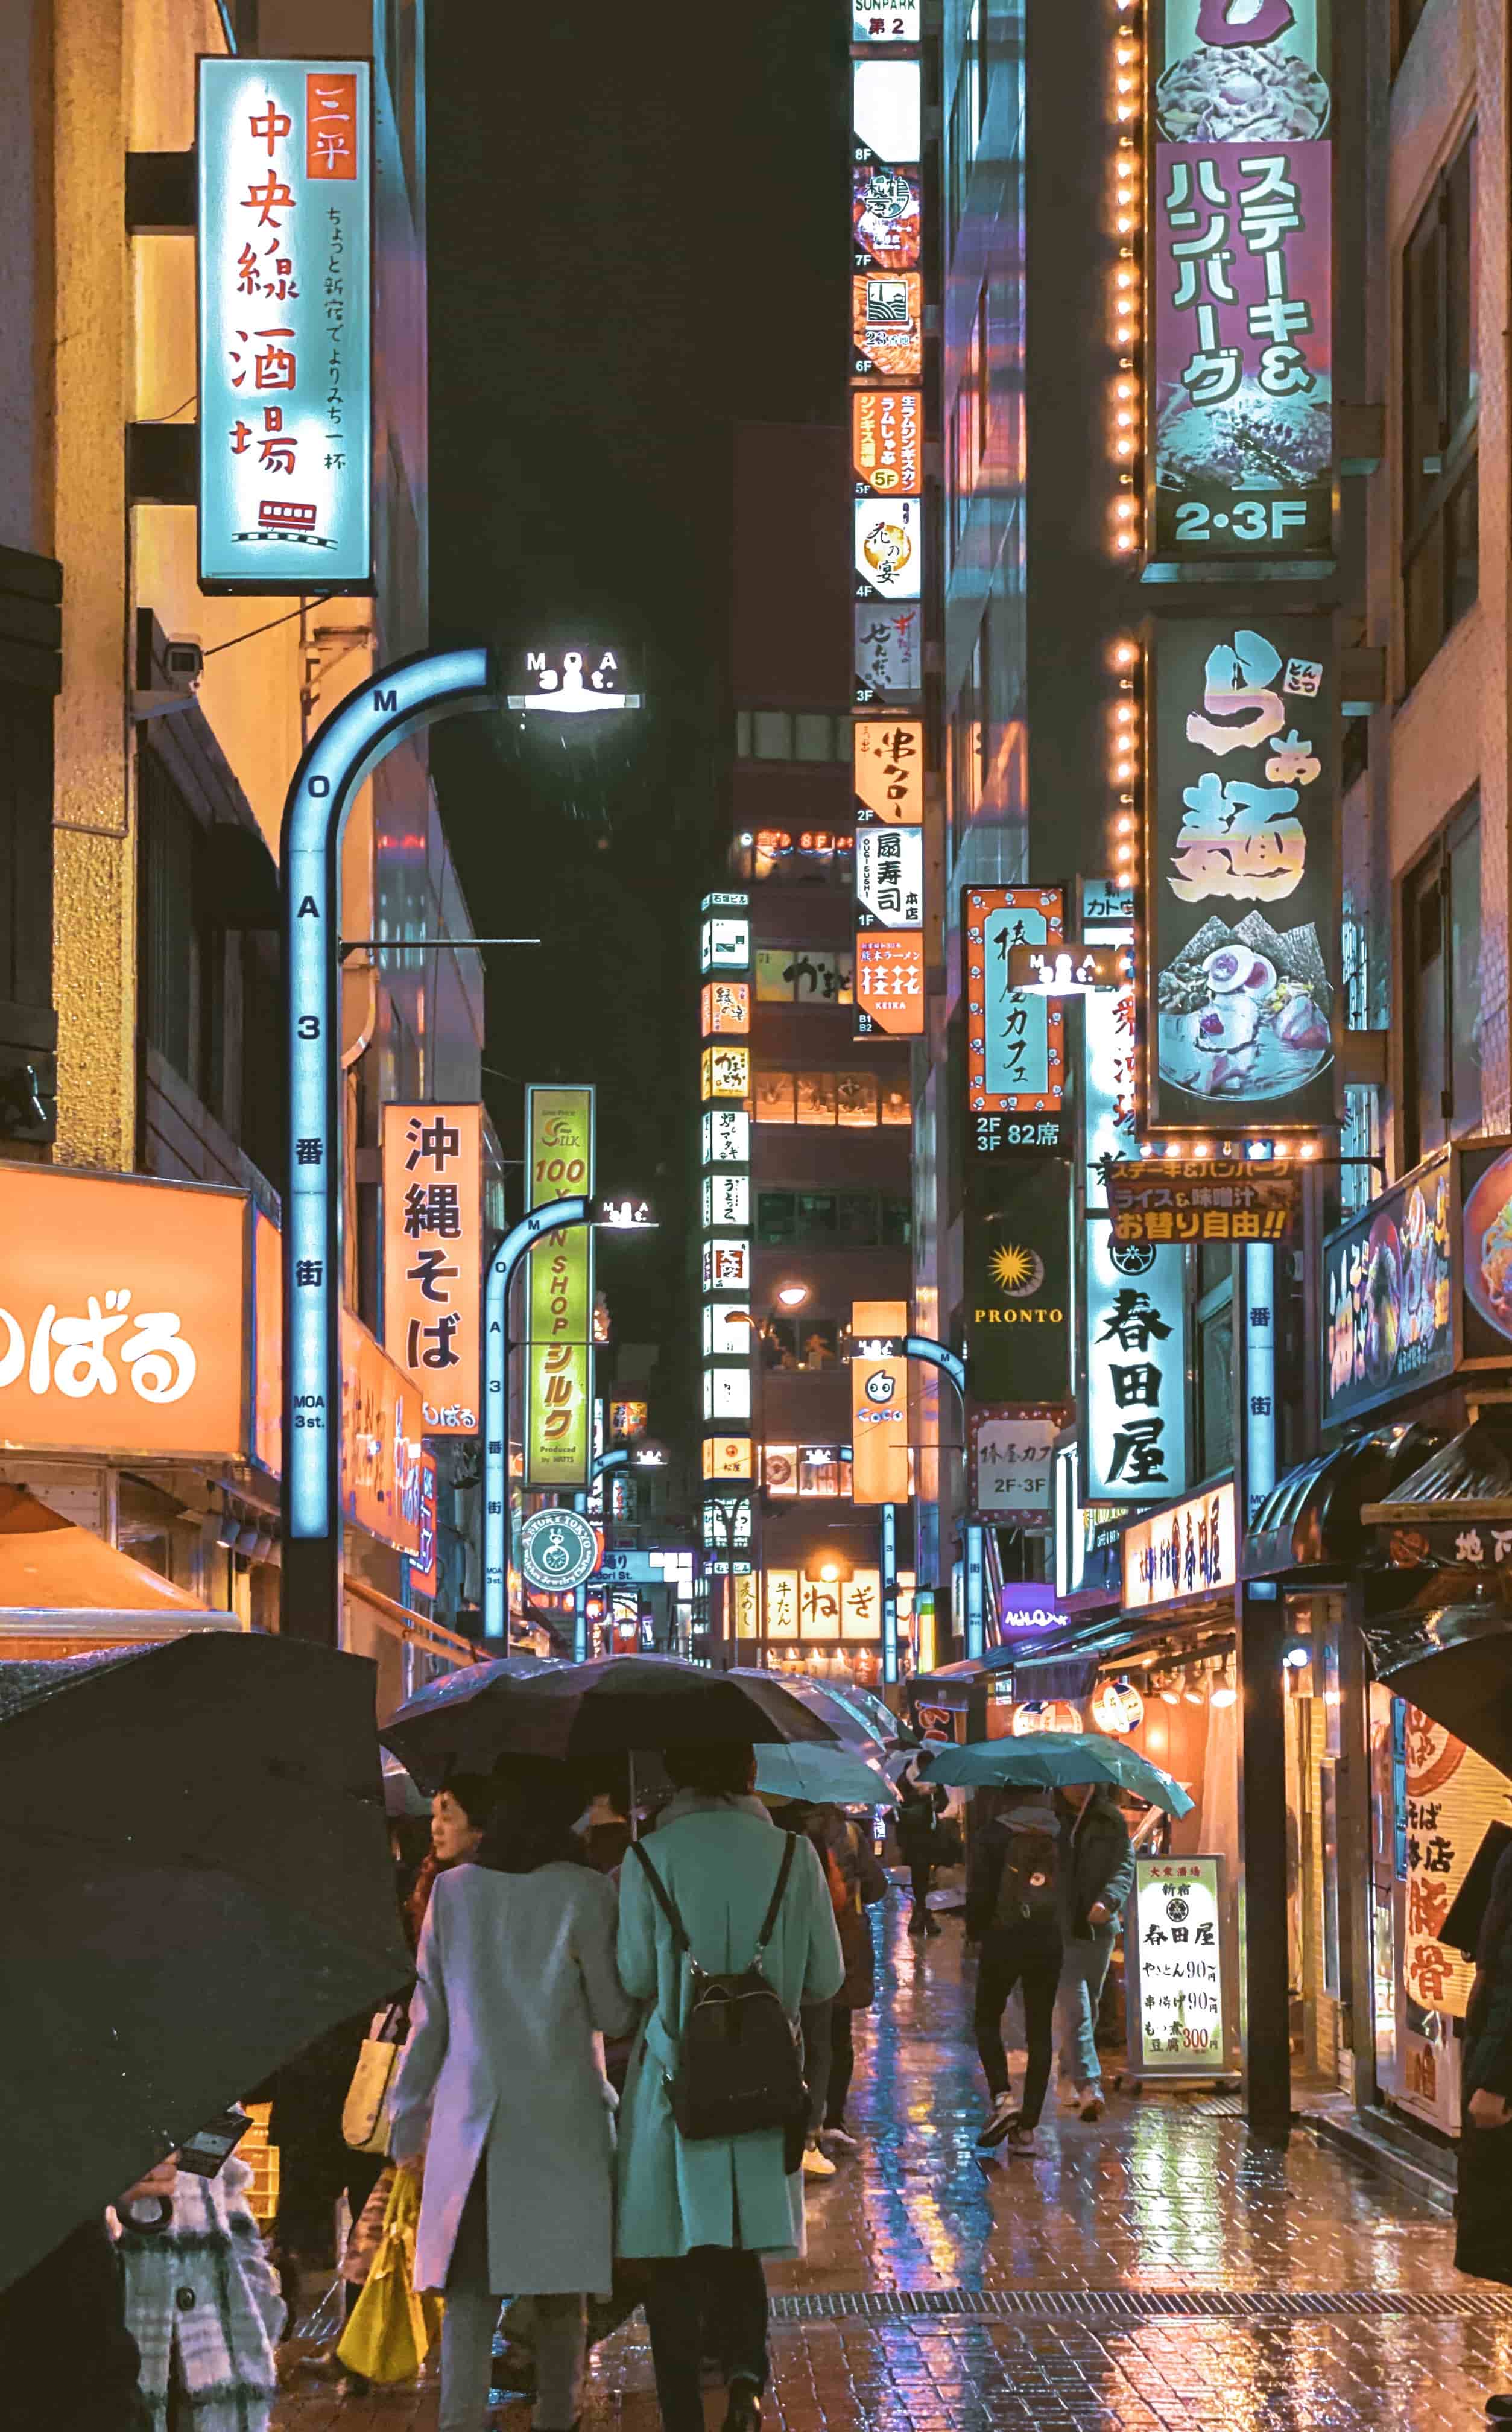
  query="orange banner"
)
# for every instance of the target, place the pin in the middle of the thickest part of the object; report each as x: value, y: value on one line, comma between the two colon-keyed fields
x: 887, y: 323
x: 887, y: 765
x: 879, y: 1408
x: 890, y: 982
x: 331, y: 124
x: 887, y: 440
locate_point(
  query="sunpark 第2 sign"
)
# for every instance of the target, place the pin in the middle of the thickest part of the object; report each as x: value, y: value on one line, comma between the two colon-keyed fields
x: 284, y: 150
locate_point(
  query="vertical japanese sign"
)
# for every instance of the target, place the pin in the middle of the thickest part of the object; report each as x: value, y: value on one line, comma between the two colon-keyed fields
x: 1008, y: 1465
x: 1240, y: 963
x: 1134, y: 1319
x: 1241, y: 401
x: 887, y: 442
x: 1015, y: 1053
x: 433, y: 1258
x: 1452, y: 1795
x: 559, y: 1290
x: 1178, y: 2024
x: 889, y: 905
x: 729, y: 1338
x: 425, y: 1567
x: 879, y: 1469
x: 284, y: 153
x: 1018, y: 1285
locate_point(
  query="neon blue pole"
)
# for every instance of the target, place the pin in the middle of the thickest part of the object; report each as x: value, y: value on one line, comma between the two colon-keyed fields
x: 889, y: 1590
x: 553, y: 1218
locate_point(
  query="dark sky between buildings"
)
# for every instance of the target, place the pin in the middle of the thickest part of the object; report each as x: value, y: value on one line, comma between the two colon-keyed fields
x: 637, y: 236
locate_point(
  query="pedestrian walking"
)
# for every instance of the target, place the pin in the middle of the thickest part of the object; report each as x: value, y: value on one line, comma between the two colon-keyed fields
x: 916, y: 1824
x: 501, y: 2095
x: 708, y: 2210
x: 1097, y: 1876
x: 1483, y: 2206
x: 855, y: 1870
x: 1013, y: 1912
x: 204, y: 2306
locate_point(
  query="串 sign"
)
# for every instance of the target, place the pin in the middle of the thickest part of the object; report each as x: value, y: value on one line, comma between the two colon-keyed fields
x: 1178, y: 2024
x: 559, y: 1550
x: 284, y: 153
x: 1202, y: 1199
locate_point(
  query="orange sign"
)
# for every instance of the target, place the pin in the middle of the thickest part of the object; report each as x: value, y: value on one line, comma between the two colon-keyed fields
x: 887, y: 440
x: 888, y: 761
x: 267, y: 1346
x: 433, y: 1258
x: 879, y: 1408
x: 331, y: 124
x: 380, y: 1440
x: 726, y: 1007
x: 890, y: 981
x: 726, y: 1456
x: 887, y: 323
x: 123, y: 1315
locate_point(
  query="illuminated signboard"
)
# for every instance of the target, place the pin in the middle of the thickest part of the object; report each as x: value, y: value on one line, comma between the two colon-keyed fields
x: 889, y: 561
x: 885, y: 109
x: 1016, y: 1055
x: 1389, y: 1296
x: 1189, y: 1551
x: 380, y: 1441
x: 1179, y: 2007
x: 887, y: 441
x: 878, y: 1407
x: 1026, y: 1609
x: 888, y: 761
x: 1018, y: 1285
x: 1008, y: 1464
x: 1204, y: 1199
x: 889, y: 655
x: 886, y: 217
x: 726, y: 1136
x: 560, y: 1293
x: 724, y: 935
x: 726, y: 1073
x: 1240, y: 960
x: 1241, y: 452
x: 887, y: 323
x: 889, y: 991
x: 726, y: 1008
x: 283, y: 153
x: 889, y: 878
x: 871, y: 22
x: 572, y: 681
x: 433, y: 1258
x: 425, y: 1567
x: 727, y: 1199
x: 727, y: 1457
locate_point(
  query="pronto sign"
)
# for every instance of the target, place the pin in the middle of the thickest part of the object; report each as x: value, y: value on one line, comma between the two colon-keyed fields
x: 123, y: 1309
x: 284, y: 153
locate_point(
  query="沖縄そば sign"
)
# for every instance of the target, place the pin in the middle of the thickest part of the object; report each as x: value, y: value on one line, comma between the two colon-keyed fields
x: 1239, y: 962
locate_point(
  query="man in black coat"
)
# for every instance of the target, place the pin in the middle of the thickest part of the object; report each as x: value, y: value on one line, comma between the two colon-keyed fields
x: 1483, y: 2209
x: 916, y: 1826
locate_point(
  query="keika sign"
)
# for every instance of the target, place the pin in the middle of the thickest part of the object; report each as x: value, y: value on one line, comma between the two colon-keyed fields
x: 284, y: 155
x: 433, y: 1258
x: 1016, y: 1053
x: 1240, y: 960
x: 560, y: 1289
x: 1241, y: 450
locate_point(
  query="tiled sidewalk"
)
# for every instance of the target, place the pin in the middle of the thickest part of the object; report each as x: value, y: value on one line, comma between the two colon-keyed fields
x: 1241, y: 2290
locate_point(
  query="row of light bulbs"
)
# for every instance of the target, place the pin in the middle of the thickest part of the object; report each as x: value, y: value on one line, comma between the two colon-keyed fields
x: 1197, y: 1684
x: 1126, y: 414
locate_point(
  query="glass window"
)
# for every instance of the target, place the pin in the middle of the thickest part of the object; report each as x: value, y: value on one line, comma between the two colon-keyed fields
x: 816, y: 1216
x: 1441, y: 975
x: 773, y: 986
x: 773, y: 1096
x: 815, y: 735
x: 780, y: 1468
x: 1440, y: 382
x: 743, y: 735
x: 897, y: 1106
x: 815, y: 1098
x: 896, y: 1220
x: 820, y: 1342
x: 820, y: 1470
x: 1215, y: 1373
x: 772, y: 733
x: 856, y: 1096
x: 774, y: 1216
x: 857, y: 1216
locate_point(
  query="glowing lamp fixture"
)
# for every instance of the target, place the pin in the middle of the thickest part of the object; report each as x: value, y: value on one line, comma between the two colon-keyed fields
x: 792, y: 1295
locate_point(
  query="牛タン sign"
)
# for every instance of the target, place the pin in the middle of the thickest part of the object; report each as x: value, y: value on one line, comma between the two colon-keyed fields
x: 559, y: 1550
x: 284, y: 153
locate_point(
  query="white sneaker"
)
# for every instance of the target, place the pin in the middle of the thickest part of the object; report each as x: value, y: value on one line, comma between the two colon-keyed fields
x: 999, y: 2121
x: 816, y: 2165
x: 839, y: 2140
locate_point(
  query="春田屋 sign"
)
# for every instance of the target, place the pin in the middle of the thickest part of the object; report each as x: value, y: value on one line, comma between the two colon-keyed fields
x: 1177, y: 2022
x: 284, y: 160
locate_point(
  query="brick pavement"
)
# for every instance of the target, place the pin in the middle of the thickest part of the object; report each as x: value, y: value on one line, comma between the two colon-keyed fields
x: 1193, y: 2243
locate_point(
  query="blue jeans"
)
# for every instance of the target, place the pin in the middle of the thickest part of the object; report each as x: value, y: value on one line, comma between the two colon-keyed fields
x: 1083, y: 1970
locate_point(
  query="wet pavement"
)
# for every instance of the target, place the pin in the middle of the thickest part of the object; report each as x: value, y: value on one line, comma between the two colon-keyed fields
x: 1151, y: 2273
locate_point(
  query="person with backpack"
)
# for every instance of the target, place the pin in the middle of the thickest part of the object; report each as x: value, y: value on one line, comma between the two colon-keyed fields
x: 1097, y: 1876
x: 1013, y: 1913
x: 722, y: 1917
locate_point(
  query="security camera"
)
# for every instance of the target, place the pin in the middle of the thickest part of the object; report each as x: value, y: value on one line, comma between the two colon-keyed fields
x: 183, y: 663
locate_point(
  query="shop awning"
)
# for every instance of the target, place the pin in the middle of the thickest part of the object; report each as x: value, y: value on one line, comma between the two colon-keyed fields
x: 1455, y: 1661
x: 49, y: 1563
x: 1467, y: 1479
x: 1312, y: 1522
x: 1071, y: 1677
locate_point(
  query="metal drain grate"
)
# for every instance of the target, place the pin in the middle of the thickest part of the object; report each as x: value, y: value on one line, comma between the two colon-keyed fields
x: 1116, y: 2306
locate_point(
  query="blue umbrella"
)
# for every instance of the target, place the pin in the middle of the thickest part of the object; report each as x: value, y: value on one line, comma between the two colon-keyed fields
x: 838, y: 1776
x: 1045, y: 1759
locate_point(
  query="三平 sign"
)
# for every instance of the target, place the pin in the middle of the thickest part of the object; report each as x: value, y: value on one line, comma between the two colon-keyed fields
x: 1241, y: 399
x: 283, y: 150
x: 560, y: 1289
x: 433, y: 1258
x: 1202, y: 1199
x: 559, y: 1550
x: 1015, y: 1058
x: 1178, y: 2025
x: 1240, y: 957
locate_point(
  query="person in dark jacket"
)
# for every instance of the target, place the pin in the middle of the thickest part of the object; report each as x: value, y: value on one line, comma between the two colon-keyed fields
x: 1097, y: 1876
x: 853, y: 1861
x: 916, y: 1824
x: 1013, y: 1911
x: 1482, y: 2208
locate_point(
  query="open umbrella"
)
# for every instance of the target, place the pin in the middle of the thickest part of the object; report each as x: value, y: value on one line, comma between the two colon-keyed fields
x: 1043, y: 1759
x: 837, y: 1777
x: 573, y: 1711
x: 197, y: 1885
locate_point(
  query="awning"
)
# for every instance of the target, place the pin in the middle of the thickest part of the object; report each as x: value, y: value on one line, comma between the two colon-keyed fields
x: 1311, y: 1522
x: 1455, y: 1661
x: 49, y: 1563
x: 1467, y: 1479
x: 1071, y: 1677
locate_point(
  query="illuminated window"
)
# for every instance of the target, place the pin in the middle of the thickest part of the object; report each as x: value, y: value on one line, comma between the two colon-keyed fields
x: 805, y: 976
x: 819, y: 1471
x: 895, y: 1108
x: 856, y: 1100
x: 816, y: 1097
x: 780, y: 1468
x: 775, y: 1096
x: 1441, y: 379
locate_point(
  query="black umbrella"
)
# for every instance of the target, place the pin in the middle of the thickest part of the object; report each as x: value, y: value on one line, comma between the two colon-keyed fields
x: 196, y: 1883
x: 1454, y: 1662
x: 571, y: 1711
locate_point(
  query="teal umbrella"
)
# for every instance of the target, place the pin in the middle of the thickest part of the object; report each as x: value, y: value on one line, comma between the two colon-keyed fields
x: 1042, y: 1760
x: 836, y: 1777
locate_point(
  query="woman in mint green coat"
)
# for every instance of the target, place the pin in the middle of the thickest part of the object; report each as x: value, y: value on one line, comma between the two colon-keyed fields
x: 709, y: 2210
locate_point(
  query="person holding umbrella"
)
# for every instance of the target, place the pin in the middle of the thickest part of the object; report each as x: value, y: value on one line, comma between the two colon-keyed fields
x: 1096, y: 1876
x: 705, y: 2211
x: 1013, y: 1913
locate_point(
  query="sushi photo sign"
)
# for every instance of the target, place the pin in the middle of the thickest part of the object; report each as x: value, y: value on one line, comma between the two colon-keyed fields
x: 1240, y: 959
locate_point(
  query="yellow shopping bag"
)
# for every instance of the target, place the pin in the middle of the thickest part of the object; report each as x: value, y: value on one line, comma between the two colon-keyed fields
x: 391, y: 2329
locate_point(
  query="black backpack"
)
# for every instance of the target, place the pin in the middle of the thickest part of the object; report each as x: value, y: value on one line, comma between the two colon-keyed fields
x: 1028, y: 1891
x: 739, y: 2065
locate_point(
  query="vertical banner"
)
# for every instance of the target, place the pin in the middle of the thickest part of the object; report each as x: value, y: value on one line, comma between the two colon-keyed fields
x: 1241, y: 451
x: 284, y: 152
x: 425, y: 1566
x: 1240, y: 963
x: 888, y: 765
x: 729, y: 1331
x: 1015, y: 1050
x: 1179, y: 2012
x: 880, y: 1469
x: 1018, y: 1285
x: 560, y: 1293
x: 433, y: 1258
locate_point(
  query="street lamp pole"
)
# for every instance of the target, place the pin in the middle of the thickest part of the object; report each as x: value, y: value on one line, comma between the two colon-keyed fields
x: 602, y: 1461
x: 555, y: 1217
x: 949, y: 1363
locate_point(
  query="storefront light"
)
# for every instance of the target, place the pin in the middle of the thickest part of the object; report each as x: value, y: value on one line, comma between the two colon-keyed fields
x: 1224, y: 1692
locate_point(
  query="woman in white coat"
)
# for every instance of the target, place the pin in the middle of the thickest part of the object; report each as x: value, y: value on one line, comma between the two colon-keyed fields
x: 501, y: 2091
